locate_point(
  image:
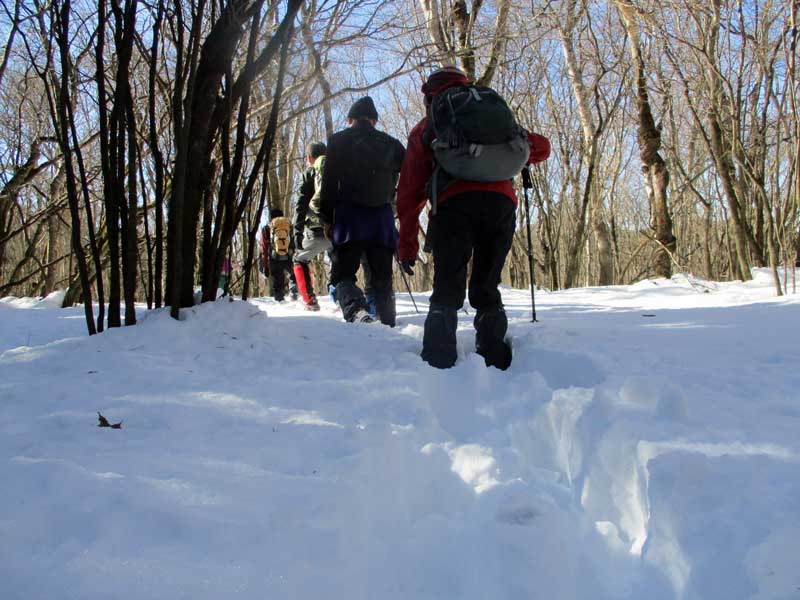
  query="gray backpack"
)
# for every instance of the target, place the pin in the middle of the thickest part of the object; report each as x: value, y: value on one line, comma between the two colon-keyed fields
x: 474, y: 135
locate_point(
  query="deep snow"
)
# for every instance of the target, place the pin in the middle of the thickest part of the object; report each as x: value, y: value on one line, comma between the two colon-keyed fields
x: 643, y: 444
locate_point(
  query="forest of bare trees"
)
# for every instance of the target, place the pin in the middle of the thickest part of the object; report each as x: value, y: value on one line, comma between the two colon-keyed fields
x: 143, y: 142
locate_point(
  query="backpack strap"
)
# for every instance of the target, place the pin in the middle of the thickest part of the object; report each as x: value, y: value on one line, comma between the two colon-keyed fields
x: 434, y: 195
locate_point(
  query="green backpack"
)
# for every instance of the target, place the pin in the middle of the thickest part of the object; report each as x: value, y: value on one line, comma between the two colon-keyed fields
x: 474, y: 135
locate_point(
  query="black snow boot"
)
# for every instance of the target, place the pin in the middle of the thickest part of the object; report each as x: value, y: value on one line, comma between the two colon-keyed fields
x: 490, y: 331
x: 439, y: 339
x: 386, y: 310
x: 351, y: 299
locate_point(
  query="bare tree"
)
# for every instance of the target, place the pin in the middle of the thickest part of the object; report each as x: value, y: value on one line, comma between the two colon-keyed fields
x: 592, y: 130
x: 654, y: 167
x: 197, y: 129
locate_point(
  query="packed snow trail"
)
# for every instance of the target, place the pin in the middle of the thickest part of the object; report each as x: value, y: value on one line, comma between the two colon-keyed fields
x: 270, y: 452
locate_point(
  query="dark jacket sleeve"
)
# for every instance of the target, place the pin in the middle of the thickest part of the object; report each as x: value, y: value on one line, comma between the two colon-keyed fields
x: 400, y: 152
x: 304, y: 194
x: 331, y: 176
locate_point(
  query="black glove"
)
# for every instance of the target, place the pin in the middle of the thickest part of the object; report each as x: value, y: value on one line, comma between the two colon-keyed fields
x: 298, y: 242
x: 407, y: 264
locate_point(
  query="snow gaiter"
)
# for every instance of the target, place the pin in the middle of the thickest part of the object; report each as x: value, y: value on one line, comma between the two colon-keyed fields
x: 385, y: 308
x: 490, y: 331
x: 303, y: 276
x: 439, y: 338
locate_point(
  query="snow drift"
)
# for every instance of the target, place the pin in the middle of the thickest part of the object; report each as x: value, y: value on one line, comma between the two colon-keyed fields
x: 643, y: 444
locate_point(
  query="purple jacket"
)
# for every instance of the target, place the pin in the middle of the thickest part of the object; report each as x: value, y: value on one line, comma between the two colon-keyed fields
x: 355, y: 223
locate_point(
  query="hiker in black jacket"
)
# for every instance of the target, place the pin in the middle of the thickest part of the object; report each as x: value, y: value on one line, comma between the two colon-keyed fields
x: 310, y: 240
x: 356, y: 206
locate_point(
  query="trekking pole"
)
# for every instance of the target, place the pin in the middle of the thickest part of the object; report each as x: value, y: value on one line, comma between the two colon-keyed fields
x: 527, y: 184
x: 408, y: 287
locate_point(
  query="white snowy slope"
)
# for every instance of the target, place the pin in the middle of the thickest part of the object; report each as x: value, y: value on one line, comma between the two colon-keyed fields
x: 645, y: 443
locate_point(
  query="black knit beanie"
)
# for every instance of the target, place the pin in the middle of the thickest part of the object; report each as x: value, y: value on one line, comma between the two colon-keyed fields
x: 363, y: 108
x: 316, y: 150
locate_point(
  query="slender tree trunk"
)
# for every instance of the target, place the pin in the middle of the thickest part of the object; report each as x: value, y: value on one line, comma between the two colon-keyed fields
x: 56, y: 190
x: 653, y: 166
x: 720, y: 149
x: 253, y: 230
x: 579, y: 236
x: 726, y: 172
x: 590, y: 134
x: 548, y: 243
x: 107, y: 147
x: 10, y: 41
x: 158, y: 160
x: 94, y: 248
x: 605, y: 249
x: 708, y: 225
x: 796, y: 117
x: 148, y: 241
x: 436, y: 32
x: 319, y: 71
x: 61, y: 117
x: 498, y: 45
x: 131, y: 238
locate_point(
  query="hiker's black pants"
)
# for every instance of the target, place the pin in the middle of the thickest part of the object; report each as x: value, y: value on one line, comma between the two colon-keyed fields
x: 345, y: 260
x: 477, y: 225
x: 279, y: 268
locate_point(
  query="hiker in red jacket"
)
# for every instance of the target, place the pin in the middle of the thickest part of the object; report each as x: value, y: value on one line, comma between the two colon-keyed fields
x: 470, y: 219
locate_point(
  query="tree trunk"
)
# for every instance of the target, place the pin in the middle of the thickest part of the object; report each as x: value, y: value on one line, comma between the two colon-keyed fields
x: 436, y: 32
x: 61, y: 118
x: 107, y: 147
x: 158, y: 162
x: 253, y: 230
x: 319, y: 72
x: 579, y: 236
x: 8, y: 195
x: 202, y: 122
x: 194, y: 152
x: 720, y: 149
x: 708, y: 224
x: 591, y: 133
x: 726, y: 172
x: 605, y: 249
x: 53, y: 237
x: 653, y: 166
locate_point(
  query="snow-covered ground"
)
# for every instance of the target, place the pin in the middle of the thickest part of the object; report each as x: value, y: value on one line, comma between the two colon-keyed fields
x: 645, y: 443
